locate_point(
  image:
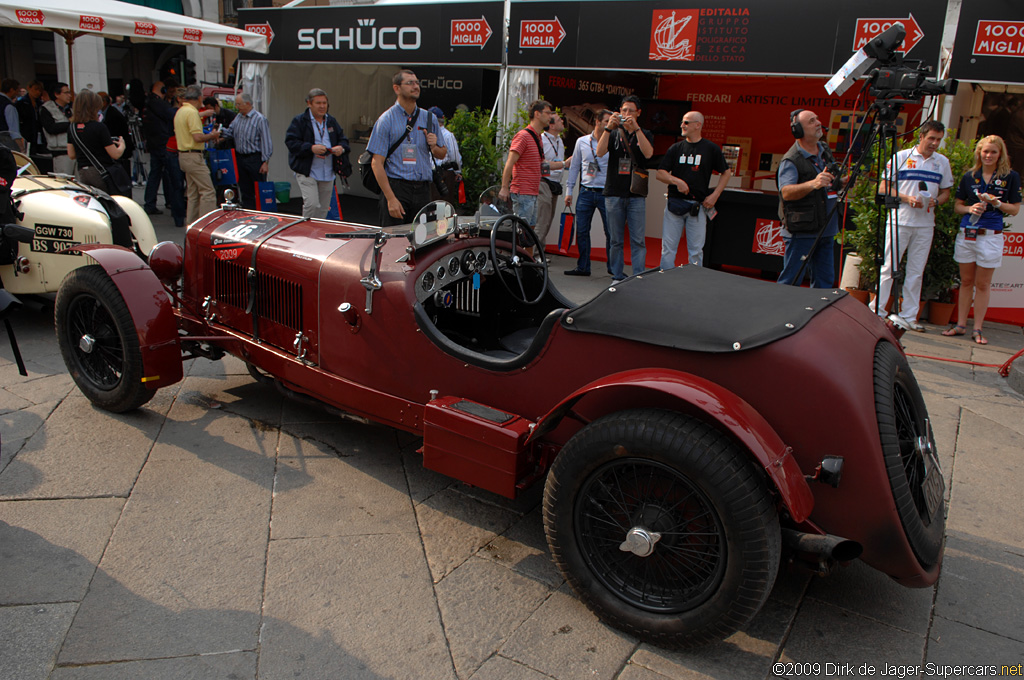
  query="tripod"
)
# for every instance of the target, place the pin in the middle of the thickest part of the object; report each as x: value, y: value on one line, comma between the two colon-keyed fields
x: 135, y: 126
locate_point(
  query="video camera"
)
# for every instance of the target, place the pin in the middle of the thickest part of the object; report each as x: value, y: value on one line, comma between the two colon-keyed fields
x: 896, y: 80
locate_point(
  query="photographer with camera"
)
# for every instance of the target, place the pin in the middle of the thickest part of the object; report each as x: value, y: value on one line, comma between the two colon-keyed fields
x: 807, y: 180
x: 686, y: 169
x: 625, y: 189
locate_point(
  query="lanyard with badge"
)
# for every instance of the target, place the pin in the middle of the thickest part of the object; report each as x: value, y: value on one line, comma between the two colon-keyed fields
x: 409, y: 146
x: 590, y: 173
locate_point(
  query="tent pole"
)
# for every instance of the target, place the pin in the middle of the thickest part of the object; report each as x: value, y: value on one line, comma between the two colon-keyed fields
x: 69, y: 40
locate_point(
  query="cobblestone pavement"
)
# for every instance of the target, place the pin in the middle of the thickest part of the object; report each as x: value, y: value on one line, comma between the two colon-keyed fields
x: 223, y: 532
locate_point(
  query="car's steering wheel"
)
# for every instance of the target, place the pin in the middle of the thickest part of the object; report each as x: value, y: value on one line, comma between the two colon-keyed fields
x: 510, y: 266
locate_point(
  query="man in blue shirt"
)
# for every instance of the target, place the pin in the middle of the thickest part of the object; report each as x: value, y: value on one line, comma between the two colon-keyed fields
x: 807, y: 200
x: 591, y: 170
x: 404, y: 173
x: 253, y: 147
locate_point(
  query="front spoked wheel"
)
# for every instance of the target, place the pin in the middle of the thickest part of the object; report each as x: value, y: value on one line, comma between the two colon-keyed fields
x: 98, y: 341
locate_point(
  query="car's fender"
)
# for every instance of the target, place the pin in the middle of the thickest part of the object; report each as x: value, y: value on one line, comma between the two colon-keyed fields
x: 151, y: 311
x: 733, y: 414
x: 142, y: 226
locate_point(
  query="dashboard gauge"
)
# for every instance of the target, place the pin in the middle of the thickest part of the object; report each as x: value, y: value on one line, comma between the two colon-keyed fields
x: 443, y: 298
x: 481, y: 260
x: 468, y: 262
x: 427, y: 282
x: 454, y: 266
x: 441, y: 271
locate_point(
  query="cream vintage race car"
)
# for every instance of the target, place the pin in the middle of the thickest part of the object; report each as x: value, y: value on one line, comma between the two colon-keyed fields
x: 61, y: 212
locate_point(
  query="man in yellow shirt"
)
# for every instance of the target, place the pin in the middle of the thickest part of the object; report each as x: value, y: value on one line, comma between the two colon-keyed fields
x: 188, y: 130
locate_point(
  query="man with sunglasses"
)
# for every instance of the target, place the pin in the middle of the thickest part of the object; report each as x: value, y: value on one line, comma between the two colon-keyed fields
x: 686, y: 169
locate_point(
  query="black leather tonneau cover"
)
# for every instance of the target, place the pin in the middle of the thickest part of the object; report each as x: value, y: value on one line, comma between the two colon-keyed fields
x: 700, y: 310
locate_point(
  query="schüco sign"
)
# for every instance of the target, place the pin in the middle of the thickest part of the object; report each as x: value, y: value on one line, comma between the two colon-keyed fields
x: 365, y: 35
x: 415, y: 34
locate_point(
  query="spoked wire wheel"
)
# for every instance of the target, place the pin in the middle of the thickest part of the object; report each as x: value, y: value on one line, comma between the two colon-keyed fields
x: 625, y: 510
x: 98, y: 341
x: 663, y: 526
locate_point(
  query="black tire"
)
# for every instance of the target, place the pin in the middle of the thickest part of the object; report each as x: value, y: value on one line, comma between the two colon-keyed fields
x: 98, y: 341
x: 908, y: 447
x: 716, y: 560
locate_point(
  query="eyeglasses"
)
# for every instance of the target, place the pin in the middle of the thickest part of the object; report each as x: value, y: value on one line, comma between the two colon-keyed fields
x: 411, y: 82
x: 689, y: 122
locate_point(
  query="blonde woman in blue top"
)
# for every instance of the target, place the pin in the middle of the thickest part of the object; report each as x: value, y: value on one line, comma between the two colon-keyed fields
x: 988, y: 191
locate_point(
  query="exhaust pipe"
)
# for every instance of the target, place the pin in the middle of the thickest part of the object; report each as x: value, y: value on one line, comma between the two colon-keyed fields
x: 821, y: 551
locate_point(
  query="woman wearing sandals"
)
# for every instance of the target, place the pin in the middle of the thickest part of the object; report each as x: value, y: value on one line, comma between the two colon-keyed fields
x: 987, y: 192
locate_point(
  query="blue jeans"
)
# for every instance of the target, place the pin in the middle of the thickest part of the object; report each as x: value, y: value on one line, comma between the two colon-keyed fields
x: 672, y: 226
x: 525, y: 207
x: 588, y: 201
x: 157, y: 171
x: 622, y: 211
x: 821, y: 265
x: 174, y: 188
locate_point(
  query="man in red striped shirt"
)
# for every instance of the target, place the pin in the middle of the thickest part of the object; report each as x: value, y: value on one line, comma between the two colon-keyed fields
x: 524, y: 167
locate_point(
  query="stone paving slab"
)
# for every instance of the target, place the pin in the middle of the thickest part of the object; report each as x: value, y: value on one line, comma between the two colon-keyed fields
x: 49, y: 549
x: 824, y: 633
x: 351, y: 607
x: 566, y: 641
x: 953, y: 644
x: 453, y: 526
x: 184, y: 572
x: 977, y: 578
x: 30, y: 636
x: 482, y: 604
x: 83, y: 452
x: 987, y: 482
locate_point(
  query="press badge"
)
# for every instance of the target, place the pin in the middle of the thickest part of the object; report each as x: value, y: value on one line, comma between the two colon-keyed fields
x: 970, y: 233
x: 409, y: 154
x: 591, y: 172
x: 545, y: 169
x: 624, y: 166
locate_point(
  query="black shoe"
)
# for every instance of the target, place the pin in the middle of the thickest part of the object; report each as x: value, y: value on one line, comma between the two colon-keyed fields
x: 576, y: 272
x: 153, y: 211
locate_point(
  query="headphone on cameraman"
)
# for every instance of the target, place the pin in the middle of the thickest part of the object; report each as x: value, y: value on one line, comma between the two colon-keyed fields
x: 794, y: 123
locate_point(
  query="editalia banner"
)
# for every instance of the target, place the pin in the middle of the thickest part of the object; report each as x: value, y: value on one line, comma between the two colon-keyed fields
x: 1007, y: 302
x: 796, y: 37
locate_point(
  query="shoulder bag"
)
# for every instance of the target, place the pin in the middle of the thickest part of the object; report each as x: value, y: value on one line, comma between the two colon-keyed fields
x: 638, y: 176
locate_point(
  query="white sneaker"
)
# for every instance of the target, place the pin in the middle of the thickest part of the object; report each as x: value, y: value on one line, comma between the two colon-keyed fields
x: 914, y: 326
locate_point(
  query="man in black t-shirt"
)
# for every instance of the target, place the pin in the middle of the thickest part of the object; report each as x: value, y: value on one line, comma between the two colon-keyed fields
x: 628, y: 148
x: 686, y: 169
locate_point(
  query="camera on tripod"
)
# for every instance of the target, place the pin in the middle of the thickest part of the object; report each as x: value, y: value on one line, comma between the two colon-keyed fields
x: 897, y: 80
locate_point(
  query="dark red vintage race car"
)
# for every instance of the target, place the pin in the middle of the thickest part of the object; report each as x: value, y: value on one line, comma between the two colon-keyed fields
x: 691, y: 427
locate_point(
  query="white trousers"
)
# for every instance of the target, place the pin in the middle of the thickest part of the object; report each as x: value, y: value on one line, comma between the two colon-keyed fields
x: 916, y: 242
x: 316, y: 196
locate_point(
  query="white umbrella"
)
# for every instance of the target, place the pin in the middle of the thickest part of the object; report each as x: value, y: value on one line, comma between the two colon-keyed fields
x: 72, y: 18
